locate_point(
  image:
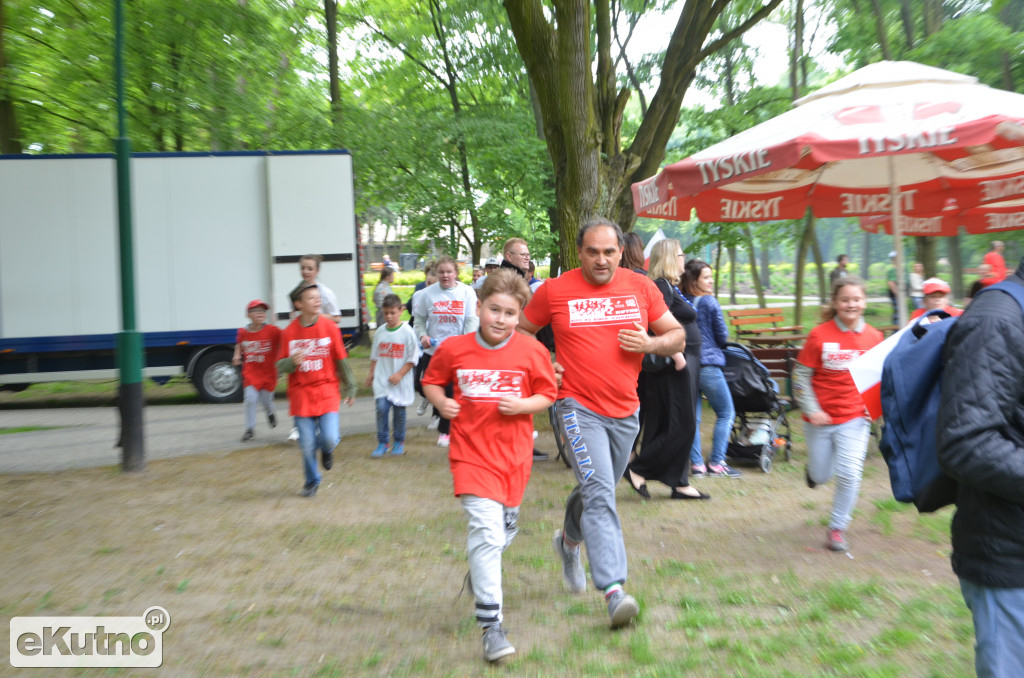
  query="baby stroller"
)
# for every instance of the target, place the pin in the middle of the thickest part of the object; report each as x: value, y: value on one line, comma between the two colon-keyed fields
x: 760, y: 427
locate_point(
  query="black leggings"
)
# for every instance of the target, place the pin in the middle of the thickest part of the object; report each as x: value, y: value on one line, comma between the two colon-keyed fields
x: 445, y: 426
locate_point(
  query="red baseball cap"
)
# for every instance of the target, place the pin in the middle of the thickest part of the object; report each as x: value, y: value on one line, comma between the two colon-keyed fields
x: 934, y: 286
x: 256, y: 303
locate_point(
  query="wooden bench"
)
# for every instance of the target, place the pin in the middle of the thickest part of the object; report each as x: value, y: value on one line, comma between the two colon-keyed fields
x: 742, y: 318
x: 780, y: 363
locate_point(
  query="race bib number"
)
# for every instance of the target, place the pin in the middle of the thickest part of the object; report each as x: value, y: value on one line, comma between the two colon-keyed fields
x: 490, y: 384
x: 622, y: 310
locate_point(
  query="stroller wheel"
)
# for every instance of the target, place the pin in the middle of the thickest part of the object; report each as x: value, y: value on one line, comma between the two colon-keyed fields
x: 766, y: 460
x: 789, y: 446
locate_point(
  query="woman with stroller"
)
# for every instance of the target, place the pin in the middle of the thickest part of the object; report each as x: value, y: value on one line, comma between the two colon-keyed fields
x: 836, y: 426
x: 698, y: 287
x: 669, y: 396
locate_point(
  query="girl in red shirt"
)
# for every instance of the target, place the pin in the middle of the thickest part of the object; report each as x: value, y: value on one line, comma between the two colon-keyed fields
x: 256, y: 347
x: 835, y: 421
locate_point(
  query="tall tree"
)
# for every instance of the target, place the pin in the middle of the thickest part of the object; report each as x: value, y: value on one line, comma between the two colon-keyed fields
x: 582, y: 112
x: 10, y: 141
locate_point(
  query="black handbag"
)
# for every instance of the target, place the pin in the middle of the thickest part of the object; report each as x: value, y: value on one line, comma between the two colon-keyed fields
x: 656, y: 364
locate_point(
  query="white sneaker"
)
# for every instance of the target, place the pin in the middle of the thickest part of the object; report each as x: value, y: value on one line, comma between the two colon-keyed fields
x: 421, y: 409
x: 294, y: 435
x: 435, y: 421
x: 444, y: 440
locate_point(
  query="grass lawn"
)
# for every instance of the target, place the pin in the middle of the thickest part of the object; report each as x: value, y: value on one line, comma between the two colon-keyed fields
x: 364, y: 579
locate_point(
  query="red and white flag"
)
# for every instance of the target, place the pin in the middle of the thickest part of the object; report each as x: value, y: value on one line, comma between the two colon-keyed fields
x: 867, y: 372
x: 658, y: 235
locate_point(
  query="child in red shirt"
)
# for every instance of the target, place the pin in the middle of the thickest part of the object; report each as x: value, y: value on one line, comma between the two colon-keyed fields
x: 313, y: 356
x: 256, y: 347
x: 836, y: 426
x: 501, y: 378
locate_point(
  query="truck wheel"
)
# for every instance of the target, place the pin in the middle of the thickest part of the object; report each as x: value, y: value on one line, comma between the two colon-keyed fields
x: 216, y: 379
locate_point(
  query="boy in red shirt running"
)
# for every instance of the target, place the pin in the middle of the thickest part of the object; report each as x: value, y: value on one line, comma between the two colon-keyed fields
x: 500, y: 380
x: 313, y: 355
x: 256, y: 347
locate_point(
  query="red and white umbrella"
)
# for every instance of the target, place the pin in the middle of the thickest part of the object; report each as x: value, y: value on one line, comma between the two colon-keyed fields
x: 891, y: 138
x: 979, y: 220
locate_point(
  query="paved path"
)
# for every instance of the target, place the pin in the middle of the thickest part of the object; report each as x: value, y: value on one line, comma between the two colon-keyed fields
x: 86, y: 435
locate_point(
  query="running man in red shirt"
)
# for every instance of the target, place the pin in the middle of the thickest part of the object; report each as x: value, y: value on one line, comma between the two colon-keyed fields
x: 256, y: 347
x: 836, y: 425
x: 600, y: 315
x: 313, y: 356
x: 500, y: 380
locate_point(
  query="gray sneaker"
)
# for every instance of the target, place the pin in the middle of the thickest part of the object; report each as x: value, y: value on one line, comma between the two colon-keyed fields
x: 572, y: 566
x: 622, y: 609
x: 496, y: 643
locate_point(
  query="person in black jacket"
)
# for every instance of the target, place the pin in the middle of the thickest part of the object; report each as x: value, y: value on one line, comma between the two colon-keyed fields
x: 981, y: 445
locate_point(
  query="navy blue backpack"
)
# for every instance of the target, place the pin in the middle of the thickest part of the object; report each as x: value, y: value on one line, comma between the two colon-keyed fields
x: 911, y: 387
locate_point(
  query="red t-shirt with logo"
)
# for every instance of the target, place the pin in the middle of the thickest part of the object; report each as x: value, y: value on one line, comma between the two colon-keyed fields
x: 586, y: 320
x: 313, y: 386
x: 829, y: 351
x: 259, y: 353
x: 491, y: 454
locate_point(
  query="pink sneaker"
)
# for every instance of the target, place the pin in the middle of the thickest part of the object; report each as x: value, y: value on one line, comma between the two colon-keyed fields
x: 444, y: 440
x: 837, y: 541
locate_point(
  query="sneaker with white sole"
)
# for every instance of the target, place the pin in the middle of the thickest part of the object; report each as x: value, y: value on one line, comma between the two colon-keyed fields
x: 722, y: 471
x: 294, y: 435
x: 837, y: 541
x: 496, y: 643
x: 444, y: 440
x: 698, y: 471
x: 435, y: 421
x: 622, y: 609
x: 421, y: 409
x: 572, y: 564
x: 248, y: 435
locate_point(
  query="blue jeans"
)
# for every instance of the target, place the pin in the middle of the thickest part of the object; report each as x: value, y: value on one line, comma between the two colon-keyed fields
x: 839, y: 450
x: 714, y: 387
x: 998, y: 629
x: 316, y: 433
x: 383, y: 407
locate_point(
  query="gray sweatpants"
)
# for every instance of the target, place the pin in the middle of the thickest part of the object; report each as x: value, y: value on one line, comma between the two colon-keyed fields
x: 253, y: 399
x: 492, y: 527
x: 601, y: 447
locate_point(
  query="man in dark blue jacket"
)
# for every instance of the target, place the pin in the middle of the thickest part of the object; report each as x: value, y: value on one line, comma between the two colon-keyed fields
x: 981, y: 445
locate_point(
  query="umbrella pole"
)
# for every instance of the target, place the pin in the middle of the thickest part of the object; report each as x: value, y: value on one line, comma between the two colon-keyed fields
x: 897, y: 234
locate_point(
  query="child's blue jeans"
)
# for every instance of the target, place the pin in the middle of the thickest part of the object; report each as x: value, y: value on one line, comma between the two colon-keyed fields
x: 383, y: 407
x: 316, y: 433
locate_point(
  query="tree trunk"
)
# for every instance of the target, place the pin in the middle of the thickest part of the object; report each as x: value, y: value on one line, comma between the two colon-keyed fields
x: 796, y: 49
x: 956, y: 265
x: 819, y: 260
x: 732, y: 274
x: 883, y: 37
x: 801, y: 255
x: 766, y: 273
x: 907, y: 19
x: 558, y: 62
x: 334, y: 84
x: 10, y: 137
x: 865, y: 255
x: 752, y: 253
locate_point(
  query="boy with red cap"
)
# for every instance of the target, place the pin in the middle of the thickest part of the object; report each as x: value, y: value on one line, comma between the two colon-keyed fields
x: 256, y: 347
x: 936, y: 296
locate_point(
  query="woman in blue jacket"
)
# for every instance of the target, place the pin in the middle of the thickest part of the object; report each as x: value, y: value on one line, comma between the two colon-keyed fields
x: 698, y: 287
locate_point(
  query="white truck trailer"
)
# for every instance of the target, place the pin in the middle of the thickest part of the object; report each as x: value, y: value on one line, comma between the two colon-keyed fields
x: 211, y: 232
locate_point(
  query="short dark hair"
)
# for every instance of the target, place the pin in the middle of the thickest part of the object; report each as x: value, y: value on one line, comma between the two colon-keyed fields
x: 391, y: 301
x: 296, y: 294
x: 594, y: 223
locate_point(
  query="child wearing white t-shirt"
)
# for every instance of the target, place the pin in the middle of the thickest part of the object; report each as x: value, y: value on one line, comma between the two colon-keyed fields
x: 394, y: 354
